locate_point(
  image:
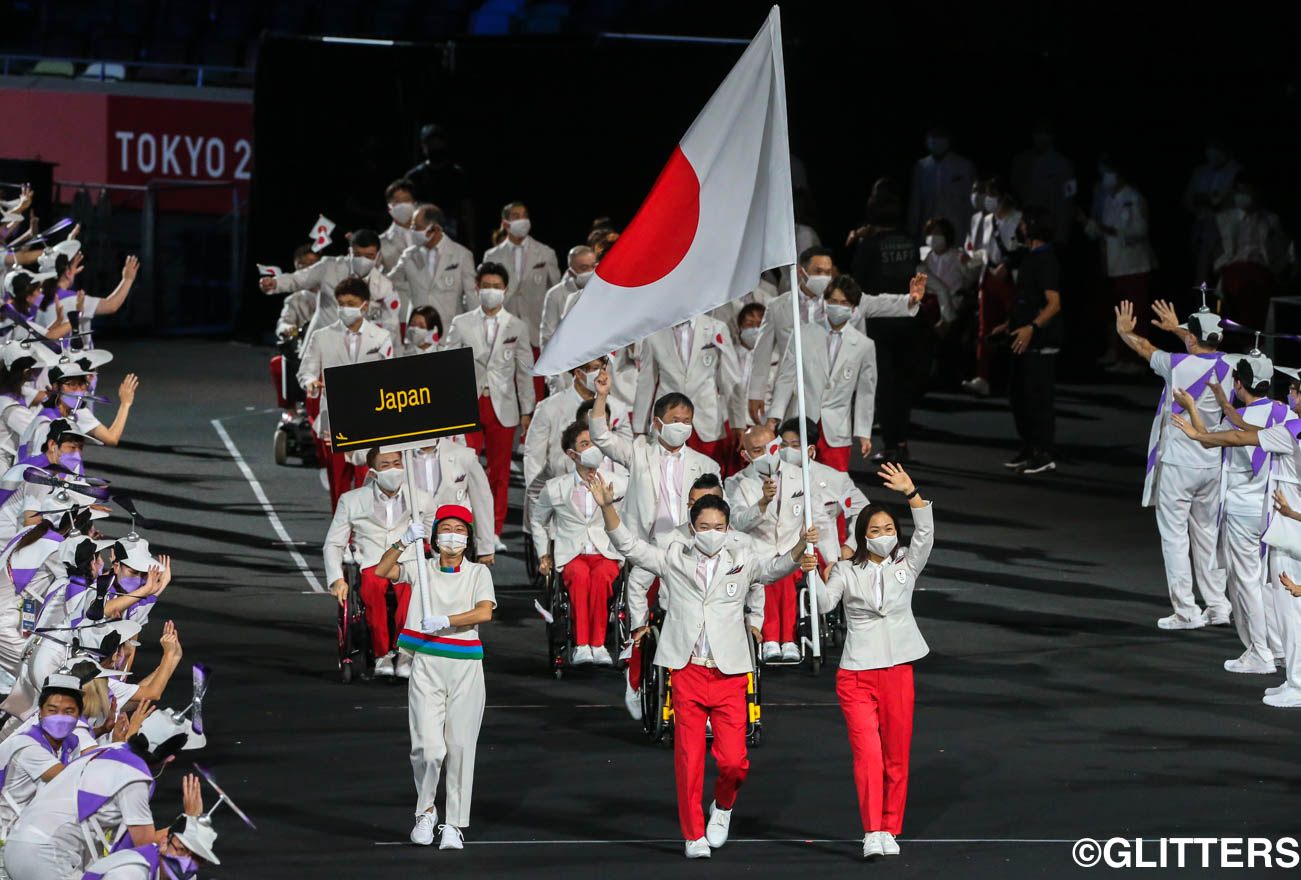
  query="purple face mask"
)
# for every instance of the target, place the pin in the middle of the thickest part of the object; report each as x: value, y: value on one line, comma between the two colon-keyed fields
x: 71, y: 401
x: 130, y: 581
x: 59, y: 726
x: 179, y: 867
x: 72, y: 461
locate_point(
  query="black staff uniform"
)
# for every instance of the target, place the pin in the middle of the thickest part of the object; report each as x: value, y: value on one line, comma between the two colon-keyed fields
x: 1033, y: 376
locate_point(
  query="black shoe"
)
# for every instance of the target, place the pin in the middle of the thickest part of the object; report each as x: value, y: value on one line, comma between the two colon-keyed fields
x: 1038, y: 464
x: 1020, y: 460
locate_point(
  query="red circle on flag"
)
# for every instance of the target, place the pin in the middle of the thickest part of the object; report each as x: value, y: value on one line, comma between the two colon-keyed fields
x: 662, y: 232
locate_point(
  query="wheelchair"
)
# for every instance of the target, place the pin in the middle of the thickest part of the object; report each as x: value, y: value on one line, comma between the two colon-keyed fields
x: 356, y: 657
x: 560, y: 630
x: 293, y: 436
x: 831, y: 628
x: 657, y: 690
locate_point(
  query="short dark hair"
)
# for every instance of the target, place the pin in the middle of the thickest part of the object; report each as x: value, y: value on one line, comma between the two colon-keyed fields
x: 506, y: 209
x: 492, y: 269
x: 433, y: 214
x: 706, y: 483
x: 1038, y: 223
x: 710, y: 502
x: 670, y: 400
x: 584, y: 411
x: 402, y: 183
x: 860, y: 530
x: 1243, y: 373
x: 302, y: 250
x: 846, y: 285
x: 354, y: 287
x: 816, y: 250
x: 76, y: 695
x: 569, y: 436
x: 943, y: 226
x: 792, y: 425
x: 433, y: 320
x: 364, y: 238
x: 749, y: 309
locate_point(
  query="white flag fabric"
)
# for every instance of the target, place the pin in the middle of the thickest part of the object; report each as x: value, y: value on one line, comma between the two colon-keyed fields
x: 719, y: 214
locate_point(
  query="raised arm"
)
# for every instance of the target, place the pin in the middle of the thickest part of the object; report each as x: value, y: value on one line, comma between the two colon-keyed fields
x: 126, y: 394
x: 1166, y: 319
x: 1184, y: 399
x: 633, y: 548
x: 1217, y: 438
x: 1227, y: 407
x: 1125, y: 324
x: 612, y: 443
x: 114, y: 300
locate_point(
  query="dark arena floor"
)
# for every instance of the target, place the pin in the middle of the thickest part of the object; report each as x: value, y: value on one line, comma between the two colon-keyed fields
x: 1050, y: 708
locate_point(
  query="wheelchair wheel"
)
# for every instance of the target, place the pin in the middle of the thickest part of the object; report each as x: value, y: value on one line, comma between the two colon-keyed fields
x: 558, y: 631
x: 280, y: 447
x: 753, y: 697
x: 656, y: 708
x: 531, y: 561
x: 354, y: 637
x: 620, y: 625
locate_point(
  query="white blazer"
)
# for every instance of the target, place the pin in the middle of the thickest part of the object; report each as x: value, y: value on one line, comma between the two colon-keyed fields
x: 841, y: 396
x: 711, y: 377
x: 543, y: 457
x: 325, y: 275
x: 777, y: 528
x: 326, y: 348
x: 356, y: 516
x: 574, y: 527
x: 640, y: 580
x: 527, y: 290
x: 641, y: 457
x: 504, y: 372
x: 881, y: 629
x: 450, y: 289
x: 718, y: 608
x: 392, y: 242
x: 555, y: 305
x: 461, y: 480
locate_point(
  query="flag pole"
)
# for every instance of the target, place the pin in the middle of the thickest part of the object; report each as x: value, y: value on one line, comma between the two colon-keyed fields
x: 810, y: 578
x: 417, y: 515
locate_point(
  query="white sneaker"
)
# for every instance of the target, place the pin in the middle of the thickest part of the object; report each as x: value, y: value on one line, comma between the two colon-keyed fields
x: 698, y: 849
x: 601, y: 656
x: 632, y: 701
x: 888, y: 844
x: 581, y: 657
x: 384, y: 666
x: 1174, y: 621
x: 976, y: 386
x: 1250, y: 664
x: 402, y: 667
x: 498, y: 545
x: 872, y: 848
x: 771, y: 651
x: 452, y: 837
x: 1217, y: 618
x: 423, y: 832
x: 1287, y: 698
x: 1285, y: 686
x: 791, y: 651
x: 719, y: 821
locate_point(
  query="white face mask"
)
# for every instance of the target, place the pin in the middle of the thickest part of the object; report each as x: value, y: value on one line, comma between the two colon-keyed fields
x: 936, y: 243
x: 390, y: 480
x: 674, y: 434
x: 838, y: 314
x: 749, y: 336
x: 417, y: 336
x: 765, y: 464
x: 520, y: 228
x: 581, y: 279
x: 361, y: 266
x: 883, y: 545
x: 591, y: 457
x: 589, y: 379
x: 991, y: 204
x: 491, y: 297
x: 401, y: 212
x: 452, y: 542
x: 791, y: 455
x: 710, y: 541
x: 817, y: 284
x: 349, y: 315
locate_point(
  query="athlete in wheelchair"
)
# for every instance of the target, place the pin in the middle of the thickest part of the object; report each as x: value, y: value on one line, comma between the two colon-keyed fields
x: 293, y: 436
x: 705, y: 644
x: 580, y: 566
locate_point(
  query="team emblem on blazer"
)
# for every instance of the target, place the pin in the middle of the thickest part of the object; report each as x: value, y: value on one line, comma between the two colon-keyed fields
x: 736, y: 570
x: 509, y: 341
x: 797, y: 509
x: 460, y: 479
x: 900, y: 575
x: 731, y: 589
x: 849, y: 374
x: 451, y: 267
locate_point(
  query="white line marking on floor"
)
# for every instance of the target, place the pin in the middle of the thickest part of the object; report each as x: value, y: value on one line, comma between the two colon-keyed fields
x: 903, y: 840
x: 270, y: 511
x: 505, y: 706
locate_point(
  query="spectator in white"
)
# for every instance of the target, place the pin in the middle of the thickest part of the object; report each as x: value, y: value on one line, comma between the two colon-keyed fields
x: 694, y: 358
x: 298, y: 308
x: 401, y: 200
x: 533, y: 271
x: 1253, y: 251
x: 503, y: 368
x: 1042, y: 176
x: 565, y: 294
x: 942, y: 265
x: 361, y: 262
x: 839, y: 377
x: 85, y: 305
x: 350, y: 339
x: 40, y: 753
x: 69, y: 384
x: 424, y: 332
x: 997, y: 286
x: 434, y: 270
x: 1209, y: 191
x: 1121, y: 223
x: 941, y: 184
x: 583, y: 554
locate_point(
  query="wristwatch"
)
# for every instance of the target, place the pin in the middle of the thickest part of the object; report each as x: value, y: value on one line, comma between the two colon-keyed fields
x: 912, y: 494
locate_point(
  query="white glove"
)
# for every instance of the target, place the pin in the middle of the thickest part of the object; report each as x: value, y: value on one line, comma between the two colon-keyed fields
x: 415, y: 533
x: 435, y: 623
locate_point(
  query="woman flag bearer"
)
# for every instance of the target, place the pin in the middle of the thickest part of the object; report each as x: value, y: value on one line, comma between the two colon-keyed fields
x: 875, y: 681
x: 704, y: 642
x: 445, y: 694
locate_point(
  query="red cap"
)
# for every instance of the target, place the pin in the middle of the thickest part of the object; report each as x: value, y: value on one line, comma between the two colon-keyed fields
x: 456, y: 511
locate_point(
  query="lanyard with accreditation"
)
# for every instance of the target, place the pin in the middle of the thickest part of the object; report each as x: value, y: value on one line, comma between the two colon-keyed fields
x: 401, y: 404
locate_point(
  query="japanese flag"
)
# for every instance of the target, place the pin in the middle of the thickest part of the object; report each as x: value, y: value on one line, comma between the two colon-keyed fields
x: 320, y: 234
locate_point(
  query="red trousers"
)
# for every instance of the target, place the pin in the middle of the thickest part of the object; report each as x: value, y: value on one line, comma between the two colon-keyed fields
x: 342, y: 474
x: 779, y: 609
x: 374, y: 591
x: 588, y: 579
x: 634, y: 659
x: 700, y: 694
x: 539, y: 388
x: 715, y: 449
x: 878, y: 707
x: 833, y: 456
x: 996, y: 298
x: 498, y: 440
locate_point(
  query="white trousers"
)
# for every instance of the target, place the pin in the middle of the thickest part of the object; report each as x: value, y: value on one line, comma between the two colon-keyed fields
x: 40, y: 861
x: 1240, y: 547
x: 445, y: 699
x: 1288, y: 608
x: 1187, y: 505
x: 12, y: 641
